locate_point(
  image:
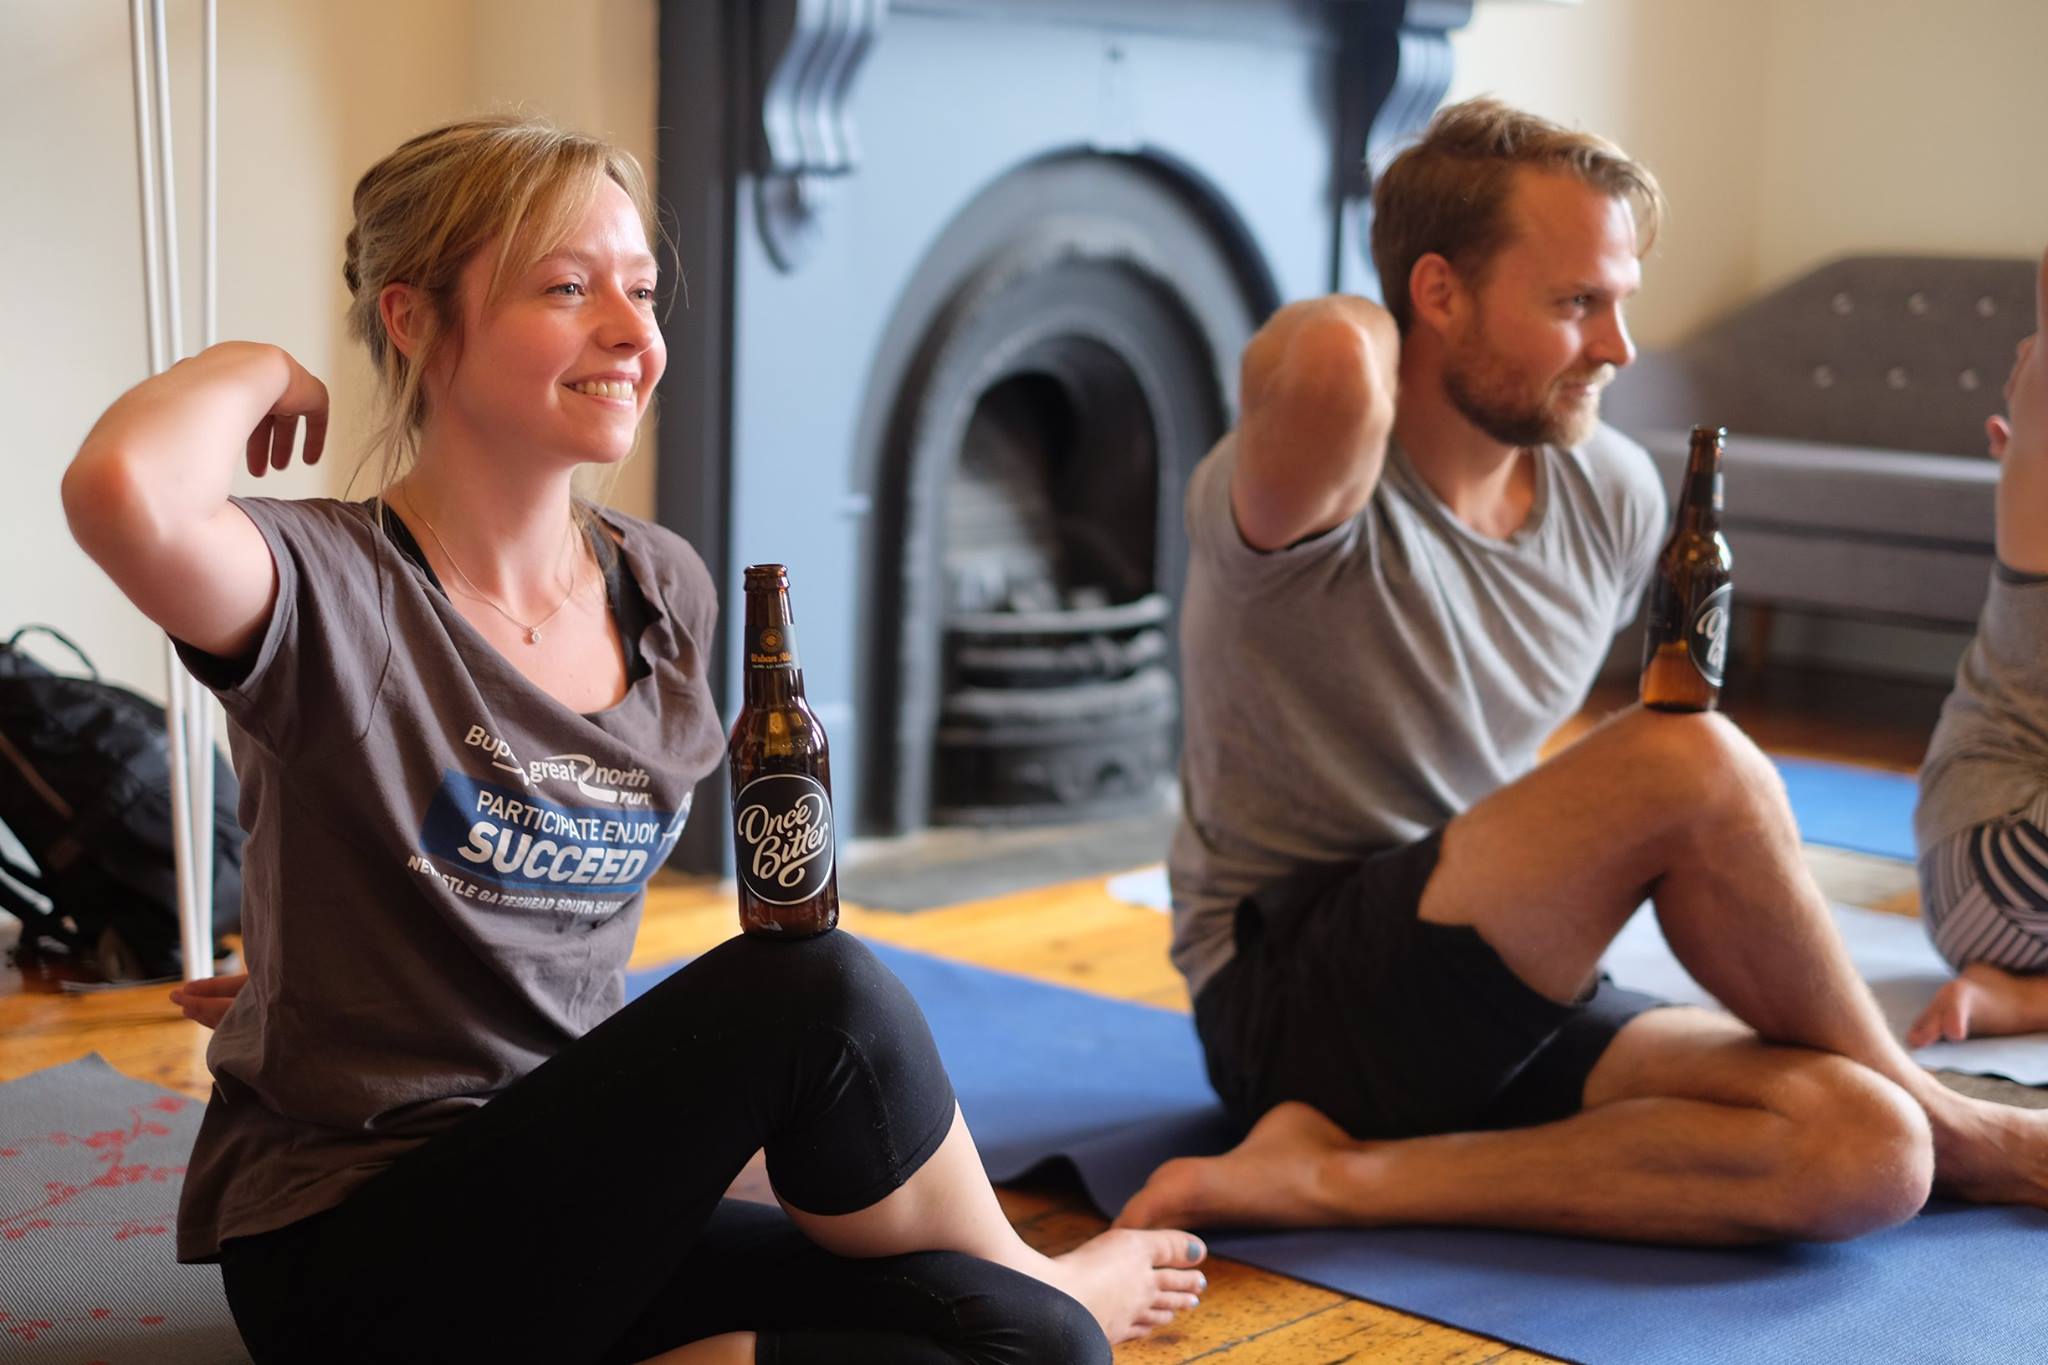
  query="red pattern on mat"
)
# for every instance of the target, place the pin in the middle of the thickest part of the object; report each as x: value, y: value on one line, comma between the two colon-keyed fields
x: 107, y: 1148
x: 30, y: 1329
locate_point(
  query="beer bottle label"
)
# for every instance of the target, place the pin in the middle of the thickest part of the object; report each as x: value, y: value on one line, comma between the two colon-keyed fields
x: 771, y: 647
x: 782, y: 823
x: 1707, y: 635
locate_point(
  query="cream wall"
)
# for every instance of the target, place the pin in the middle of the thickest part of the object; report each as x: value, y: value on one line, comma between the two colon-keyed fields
x: 1790, y: 131
x: 310, y: 94
x: 1785, y: 130
x: 1925, y: 132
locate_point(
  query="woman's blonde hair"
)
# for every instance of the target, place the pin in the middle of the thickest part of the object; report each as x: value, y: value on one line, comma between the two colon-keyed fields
x: 1448, y: 193
x: 423, y: 211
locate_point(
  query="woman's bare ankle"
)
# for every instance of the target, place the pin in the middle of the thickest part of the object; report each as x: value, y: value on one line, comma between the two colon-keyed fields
x: 730, y: 1348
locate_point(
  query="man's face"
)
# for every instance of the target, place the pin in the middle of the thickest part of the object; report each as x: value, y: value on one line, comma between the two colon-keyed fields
x: 1542, y: 333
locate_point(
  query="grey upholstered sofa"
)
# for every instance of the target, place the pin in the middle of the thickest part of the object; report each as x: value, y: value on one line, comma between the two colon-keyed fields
x: 1855, y: 398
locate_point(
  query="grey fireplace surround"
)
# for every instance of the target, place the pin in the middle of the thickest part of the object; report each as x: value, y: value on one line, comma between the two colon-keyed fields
x: 859, y: 188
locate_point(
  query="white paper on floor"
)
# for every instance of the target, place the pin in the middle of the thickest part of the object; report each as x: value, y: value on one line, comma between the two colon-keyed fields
x: 1894, y: 956
x: 1891, y: 951
x: 1146, y: 887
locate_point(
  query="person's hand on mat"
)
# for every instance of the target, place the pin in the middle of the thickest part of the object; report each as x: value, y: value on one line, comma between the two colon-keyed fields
x: 206, y: 1001
x: 1982, y: 1002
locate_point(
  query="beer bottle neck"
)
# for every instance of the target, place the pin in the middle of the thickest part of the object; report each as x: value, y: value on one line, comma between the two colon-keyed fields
x: 773, y: 686
x: 770, y: 669
x: 1700, y: 504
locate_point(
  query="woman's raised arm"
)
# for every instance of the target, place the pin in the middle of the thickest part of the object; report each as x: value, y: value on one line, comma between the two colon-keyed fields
x: 147, y: 494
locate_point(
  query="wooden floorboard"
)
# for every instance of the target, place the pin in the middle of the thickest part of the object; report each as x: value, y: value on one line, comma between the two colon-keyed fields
x: 1074, y: 935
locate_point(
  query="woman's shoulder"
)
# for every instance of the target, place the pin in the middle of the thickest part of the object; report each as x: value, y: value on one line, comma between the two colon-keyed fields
x: 348, y: 518
x: 684, y: 580
x: 312, y: 528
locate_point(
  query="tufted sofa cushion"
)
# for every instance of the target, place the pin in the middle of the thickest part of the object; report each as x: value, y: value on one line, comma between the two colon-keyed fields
x: 1855, y: 398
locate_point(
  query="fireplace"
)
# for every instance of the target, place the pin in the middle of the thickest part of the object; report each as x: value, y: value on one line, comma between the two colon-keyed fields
x: 967, y: 281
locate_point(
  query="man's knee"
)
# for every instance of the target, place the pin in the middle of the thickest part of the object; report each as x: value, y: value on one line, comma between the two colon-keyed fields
x: 1704, y: 764
x: 1862, y: 1157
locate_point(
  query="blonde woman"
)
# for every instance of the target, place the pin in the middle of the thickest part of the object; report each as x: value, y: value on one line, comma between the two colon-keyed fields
x: 468, y: 714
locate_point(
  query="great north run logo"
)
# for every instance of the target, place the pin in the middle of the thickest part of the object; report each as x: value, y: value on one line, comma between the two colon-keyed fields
x: 613, y: 786
x: 506, y: 837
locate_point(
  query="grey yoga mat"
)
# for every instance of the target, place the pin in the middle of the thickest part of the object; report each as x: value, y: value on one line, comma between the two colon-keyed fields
x: 91, y: 1163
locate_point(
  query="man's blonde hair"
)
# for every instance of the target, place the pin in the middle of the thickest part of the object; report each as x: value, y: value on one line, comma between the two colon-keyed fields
x: 423, y: 211
x: 1448, y: 193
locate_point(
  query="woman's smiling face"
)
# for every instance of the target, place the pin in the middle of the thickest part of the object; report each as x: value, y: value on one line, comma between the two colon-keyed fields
x: 564, y: 361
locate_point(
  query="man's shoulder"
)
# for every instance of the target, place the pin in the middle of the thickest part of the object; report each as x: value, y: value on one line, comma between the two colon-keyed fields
x: 1617, y: 467
x: 1611, y: 452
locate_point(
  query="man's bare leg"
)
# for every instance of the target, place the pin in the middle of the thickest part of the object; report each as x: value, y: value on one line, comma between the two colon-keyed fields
x: 1685, y: 810
x: 1759, y: 1143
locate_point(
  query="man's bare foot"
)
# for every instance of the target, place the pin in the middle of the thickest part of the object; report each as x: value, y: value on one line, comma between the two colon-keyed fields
x: 1272, y: 1177
x: 1989, y: 1153
x: 1983, y: 1001
x: 1131, y: 1281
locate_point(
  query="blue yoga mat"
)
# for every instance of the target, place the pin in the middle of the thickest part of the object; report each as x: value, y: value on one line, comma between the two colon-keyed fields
x: 1849, y: 807
x: 1046, y: 1073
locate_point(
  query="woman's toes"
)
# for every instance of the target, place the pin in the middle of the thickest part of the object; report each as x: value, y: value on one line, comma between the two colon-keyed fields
x: 1177, y: 1248
x: 1183, y: 1281
x: 1176, y: 1303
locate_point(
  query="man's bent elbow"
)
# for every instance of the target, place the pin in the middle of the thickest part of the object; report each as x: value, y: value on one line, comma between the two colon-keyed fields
x: 1343, y: 355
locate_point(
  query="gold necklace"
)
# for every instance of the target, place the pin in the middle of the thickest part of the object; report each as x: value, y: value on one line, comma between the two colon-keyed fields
x: 532, y: 631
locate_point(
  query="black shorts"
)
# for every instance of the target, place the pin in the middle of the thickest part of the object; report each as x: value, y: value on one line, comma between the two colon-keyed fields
x: 1341, y: 998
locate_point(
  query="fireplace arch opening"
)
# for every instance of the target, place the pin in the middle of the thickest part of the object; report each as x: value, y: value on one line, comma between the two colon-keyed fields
x: 1063, y: 357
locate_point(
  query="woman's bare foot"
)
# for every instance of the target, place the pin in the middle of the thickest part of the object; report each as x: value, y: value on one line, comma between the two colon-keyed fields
x: 1982, y: 1001
x: 1272, y: 1177
x: 1131, y: 1281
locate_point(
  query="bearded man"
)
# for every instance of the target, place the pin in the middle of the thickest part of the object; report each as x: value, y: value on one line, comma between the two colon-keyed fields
x: 1409, y: 560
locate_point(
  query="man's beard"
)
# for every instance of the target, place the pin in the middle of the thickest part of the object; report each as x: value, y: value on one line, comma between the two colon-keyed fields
x: 1490, y: 395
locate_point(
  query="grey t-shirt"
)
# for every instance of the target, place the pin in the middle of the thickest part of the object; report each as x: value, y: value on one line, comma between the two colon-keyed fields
x: 444, y: 867
x: 1989, y: 753
x: 1357, y: 690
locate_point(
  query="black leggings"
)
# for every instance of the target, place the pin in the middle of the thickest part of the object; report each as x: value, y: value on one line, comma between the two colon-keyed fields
x: 580, y: 1217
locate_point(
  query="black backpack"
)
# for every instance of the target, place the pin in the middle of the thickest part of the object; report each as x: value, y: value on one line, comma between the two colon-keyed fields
x: 85, y: 787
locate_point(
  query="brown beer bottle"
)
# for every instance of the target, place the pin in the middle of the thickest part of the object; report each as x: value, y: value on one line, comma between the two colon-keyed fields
x: 781, y: 781
x: 1685, y: 652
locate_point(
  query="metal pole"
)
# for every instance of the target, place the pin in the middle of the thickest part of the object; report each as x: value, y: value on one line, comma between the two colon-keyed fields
x: 145, y: 169
x: 166, y: 185
x: 188, y: 720
x: 196, y: 917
